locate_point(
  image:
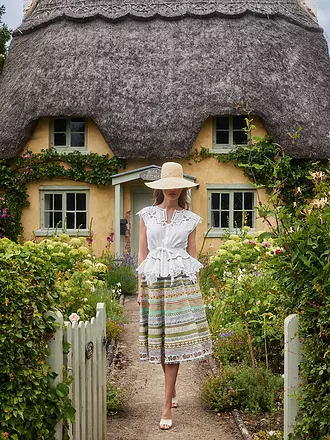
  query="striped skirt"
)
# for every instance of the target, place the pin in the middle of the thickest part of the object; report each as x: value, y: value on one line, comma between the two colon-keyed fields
x: 173, y: 325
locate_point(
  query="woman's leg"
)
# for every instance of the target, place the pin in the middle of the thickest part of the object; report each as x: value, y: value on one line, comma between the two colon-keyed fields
x: 171, y: 373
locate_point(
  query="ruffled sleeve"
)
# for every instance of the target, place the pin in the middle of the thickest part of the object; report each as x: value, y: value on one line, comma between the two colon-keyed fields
x: 143, y: 213
x: 196, y: 219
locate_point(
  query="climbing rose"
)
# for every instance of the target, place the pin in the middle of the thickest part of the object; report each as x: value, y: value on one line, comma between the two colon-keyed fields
x: 74, y: 317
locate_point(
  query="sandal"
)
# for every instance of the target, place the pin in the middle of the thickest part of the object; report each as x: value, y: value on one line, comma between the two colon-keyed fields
x: 165, y: 424
x: 175, y: 402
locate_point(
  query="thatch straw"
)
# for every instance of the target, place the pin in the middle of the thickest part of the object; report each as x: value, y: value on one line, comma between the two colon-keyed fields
x: 150, y: 83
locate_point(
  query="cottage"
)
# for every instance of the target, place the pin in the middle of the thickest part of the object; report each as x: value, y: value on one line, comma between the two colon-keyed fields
x: 153, y: 81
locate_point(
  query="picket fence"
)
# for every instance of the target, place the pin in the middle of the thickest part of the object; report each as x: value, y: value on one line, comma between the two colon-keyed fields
x: 86, y: 363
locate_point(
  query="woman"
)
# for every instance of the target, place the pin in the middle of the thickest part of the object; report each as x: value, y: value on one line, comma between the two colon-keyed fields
x: 173, y: 326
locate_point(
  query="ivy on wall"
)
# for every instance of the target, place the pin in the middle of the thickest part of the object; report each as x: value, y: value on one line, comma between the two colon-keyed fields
x: 49, y: 164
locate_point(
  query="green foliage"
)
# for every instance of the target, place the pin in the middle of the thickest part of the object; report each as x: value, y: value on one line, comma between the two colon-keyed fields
x: 5, y: 35
x: 122, y: 270
x: 116, y: 398
x: 30, y: 408
x: 244, y: 388
x: 16, y: 174
x: 303, y: 267
x: 244, y: 309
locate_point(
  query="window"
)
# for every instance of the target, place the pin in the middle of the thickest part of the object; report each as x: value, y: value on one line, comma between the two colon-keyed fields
x: 64, y: 209
x: 228, y: 131
x: 69, y: 134
x: 230, y: 209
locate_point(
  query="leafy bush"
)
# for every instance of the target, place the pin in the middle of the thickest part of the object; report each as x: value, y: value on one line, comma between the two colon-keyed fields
x: 30, y: 408
x: 116, y: 398
x: 246, y: 302
x: 245, y: 388
x: 303, y: 267
x: 122, y: 270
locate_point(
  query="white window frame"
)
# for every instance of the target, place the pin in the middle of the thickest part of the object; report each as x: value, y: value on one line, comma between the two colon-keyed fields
x: 67, y: 148
x: 229, y: 189
x: 224, y: 148
x: 44, y: 231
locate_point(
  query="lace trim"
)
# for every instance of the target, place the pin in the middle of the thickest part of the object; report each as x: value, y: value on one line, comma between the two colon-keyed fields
x: 188, y: 267
x: 48, y: 10
x: 157, y: 214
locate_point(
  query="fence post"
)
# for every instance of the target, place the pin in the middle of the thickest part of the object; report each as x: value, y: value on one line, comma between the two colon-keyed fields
x: 292, y: 380
x: 55, y: 361
x: 101, y: 312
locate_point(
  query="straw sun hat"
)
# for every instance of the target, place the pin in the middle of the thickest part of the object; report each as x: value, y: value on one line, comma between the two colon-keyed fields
x: 171, y: 177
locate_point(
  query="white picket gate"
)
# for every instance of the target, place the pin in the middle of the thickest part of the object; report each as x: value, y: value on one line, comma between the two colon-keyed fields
x: 86, y: 363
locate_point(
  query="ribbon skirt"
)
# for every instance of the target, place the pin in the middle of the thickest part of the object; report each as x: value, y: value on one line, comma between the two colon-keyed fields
x: 173, y: 325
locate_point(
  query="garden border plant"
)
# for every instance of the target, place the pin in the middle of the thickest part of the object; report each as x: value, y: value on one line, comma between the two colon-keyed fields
x: 30, y: 407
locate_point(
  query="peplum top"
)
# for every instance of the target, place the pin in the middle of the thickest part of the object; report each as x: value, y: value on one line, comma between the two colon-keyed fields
x: 167, y: 244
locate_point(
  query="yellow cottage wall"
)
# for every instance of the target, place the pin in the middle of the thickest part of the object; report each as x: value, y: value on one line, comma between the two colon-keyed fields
x: 102, y: 199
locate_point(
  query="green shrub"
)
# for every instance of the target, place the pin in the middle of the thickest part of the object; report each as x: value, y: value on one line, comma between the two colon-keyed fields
x: 30, y: 408
x: 116, y: 398
x: 244, y: 388
x: 122, y: 270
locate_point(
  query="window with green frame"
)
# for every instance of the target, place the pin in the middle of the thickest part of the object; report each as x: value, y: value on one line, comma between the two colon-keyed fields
x: 64, y: 209
x: 228, y: 132
x: 69, y: 134
x: 231, y: 209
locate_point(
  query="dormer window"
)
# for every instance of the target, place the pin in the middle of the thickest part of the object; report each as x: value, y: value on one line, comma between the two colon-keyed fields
x: 228, y: 132
x: 69, y: 134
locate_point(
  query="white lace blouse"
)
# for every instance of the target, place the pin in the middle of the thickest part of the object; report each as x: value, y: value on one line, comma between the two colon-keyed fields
x: 167, y: 244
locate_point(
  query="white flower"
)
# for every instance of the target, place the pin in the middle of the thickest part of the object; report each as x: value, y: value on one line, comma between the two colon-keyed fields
x: 74, y: 317
x: 85, y: 300
x: 271, y: 433
x: 119, y: 284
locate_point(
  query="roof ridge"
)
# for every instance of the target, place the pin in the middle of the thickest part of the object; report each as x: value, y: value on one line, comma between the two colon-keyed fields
x: 47, y: 11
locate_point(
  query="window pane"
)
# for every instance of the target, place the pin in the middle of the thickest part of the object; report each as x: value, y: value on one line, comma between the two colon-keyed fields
x: 77, y: 140
x: 215, y: 201
x: 57, y: 220
x: 239, y: 137
x: 239, y: 122
x: 70, y: 202
x: 77, y: 125
x: 58, y: 202
x: 238, y: 219
x: 48, y: 220
x: 224, y: 219
x: 225, y: 201
x: 238, y: 200
x: 81, y: 202
x: 70, y: 220
x: 215, y: 219
x: 222, y: 137
x: 48, y: 201
x: 248, y: 200
x: 60, y: 139
x: 248, y: 216
x: 222, y: 123
x: 81, y: 220
x: 60, y: 125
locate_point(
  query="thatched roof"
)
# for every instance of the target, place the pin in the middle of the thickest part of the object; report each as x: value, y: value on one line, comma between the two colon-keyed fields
x: 150, y: 73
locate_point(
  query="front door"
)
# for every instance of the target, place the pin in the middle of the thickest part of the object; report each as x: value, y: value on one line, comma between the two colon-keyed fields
x: 141, y: 196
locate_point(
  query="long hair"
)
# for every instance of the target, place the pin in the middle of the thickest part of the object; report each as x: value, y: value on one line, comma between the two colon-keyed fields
x: 182, y: 202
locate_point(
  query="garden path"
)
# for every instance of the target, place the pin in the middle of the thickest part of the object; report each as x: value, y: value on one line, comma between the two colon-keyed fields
x: 145, y: 388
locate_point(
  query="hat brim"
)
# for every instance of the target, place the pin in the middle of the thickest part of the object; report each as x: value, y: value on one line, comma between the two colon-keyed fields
x: 171, y: 183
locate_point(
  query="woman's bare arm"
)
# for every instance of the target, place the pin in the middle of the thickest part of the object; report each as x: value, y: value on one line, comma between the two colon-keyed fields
x: 191, y: 247
x: 143, y: 252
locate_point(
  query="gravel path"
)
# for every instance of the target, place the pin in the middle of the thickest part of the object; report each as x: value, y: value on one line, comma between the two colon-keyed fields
x: 145, y: 391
